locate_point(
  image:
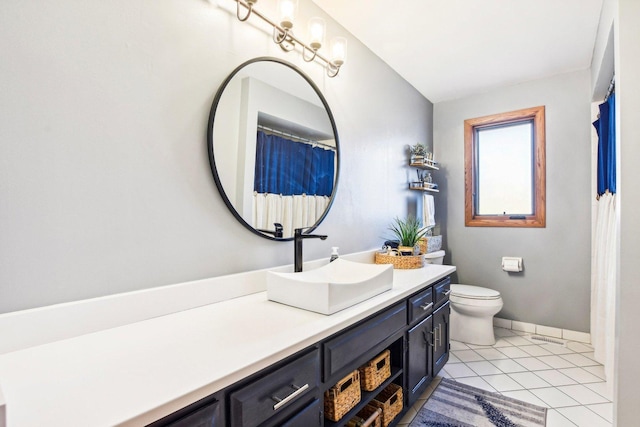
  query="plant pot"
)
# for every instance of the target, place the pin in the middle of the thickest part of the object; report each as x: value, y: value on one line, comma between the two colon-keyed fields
x: 405, y: 250
x: 416, y: 159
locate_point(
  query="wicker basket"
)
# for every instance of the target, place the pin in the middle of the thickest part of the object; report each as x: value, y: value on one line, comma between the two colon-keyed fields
x: 374, y: 372
x: 342, y: 397
x: 402, y: 262
x: 430, y: 244
x: 370, y: 416
x: 390, y: 401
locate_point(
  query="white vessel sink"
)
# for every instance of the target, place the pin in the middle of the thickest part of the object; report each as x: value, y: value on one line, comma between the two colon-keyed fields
x: 330, y: 288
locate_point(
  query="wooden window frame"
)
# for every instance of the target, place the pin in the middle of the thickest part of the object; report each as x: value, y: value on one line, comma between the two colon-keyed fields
x: 538, y: 218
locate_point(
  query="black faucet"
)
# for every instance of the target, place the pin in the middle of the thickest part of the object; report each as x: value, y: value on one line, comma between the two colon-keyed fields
x: 277, y: 233
x: 297, y: 246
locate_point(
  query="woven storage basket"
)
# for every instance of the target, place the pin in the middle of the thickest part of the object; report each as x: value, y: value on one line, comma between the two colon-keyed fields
x: 369, y: 416
x: 402, y: 262
x: 430, y: 244
x: 375, y: 371
x: 390, y: 401
x: 342, y: 397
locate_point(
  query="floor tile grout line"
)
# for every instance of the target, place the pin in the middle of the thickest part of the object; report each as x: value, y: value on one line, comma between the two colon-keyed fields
x: 567, y: 351
x: 587, y: 406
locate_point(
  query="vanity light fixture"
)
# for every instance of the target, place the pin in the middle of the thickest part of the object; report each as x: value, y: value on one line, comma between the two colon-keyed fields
x: 283, y: 34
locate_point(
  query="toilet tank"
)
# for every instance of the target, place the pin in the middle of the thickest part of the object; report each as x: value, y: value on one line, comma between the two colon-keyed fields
x: 434, y: 257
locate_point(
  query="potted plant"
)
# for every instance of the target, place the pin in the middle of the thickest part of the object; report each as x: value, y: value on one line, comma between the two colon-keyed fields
x: 418, y: 152
x: 408, y: 232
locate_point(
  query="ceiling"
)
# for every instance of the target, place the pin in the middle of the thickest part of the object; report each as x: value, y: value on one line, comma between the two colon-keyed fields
x: 454, y: 48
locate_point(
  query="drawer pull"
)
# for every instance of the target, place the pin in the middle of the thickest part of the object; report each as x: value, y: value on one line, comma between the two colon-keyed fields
x: 446, y: 294
x: 281, y: 402
x: 426, y: 307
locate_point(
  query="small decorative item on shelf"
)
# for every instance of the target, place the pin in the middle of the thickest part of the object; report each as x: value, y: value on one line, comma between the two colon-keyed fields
x: 390, y: 401
x: 418, y: 152
x: 428, y: 160
x: 342, y: 397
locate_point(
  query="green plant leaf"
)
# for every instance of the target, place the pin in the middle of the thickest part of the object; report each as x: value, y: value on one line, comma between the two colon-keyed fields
x: 408, y: 232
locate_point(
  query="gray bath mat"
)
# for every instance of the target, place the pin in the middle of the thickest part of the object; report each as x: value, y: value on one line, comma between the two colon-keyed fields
x: 454, y: 404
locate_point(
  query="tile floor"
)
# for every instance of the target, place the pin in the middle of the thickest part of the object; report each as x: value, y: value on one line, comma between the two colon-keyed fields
x: 567, y: 380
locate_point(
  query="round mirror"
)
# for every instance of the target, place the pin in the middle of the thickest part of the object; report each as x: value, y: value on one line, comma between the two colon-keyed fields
x: 273, y: 148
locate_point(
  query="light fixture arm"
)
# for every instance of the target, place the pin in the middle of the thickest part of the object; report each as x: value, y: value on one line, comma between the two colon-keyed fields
x: 332, y: 69
x: 285, y: 38
x: 304, y: 54
x: 248, y: 5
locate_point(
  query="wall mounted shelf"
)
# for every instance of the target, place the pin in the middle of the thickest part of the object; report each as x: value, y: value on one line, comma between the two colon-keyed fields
x: 425, y: 166
x: 433, y: 190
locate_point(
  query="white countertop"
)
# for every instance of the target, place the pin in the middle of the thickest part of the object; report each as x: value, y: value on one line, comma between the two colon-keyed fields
x: 140, y: 372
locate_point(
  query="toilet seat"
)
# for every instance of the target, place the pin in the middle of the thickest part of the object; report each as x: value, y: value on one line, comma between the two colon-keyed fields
x: 473, y: 292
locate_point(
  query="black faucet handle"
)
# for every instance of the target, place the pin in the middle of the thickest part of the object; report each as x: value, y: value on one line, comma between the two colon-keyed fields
x: 278, y: 233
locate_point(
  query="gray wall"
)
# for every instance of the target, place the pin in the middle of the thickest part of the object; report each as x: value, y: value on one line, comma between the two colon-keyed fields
x: 554, y: 289
x: 105, y: 185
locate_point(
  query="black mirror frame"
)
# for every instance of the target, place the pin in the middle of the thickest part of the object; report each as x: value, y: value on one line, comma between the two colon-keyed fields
x: 212, y: 161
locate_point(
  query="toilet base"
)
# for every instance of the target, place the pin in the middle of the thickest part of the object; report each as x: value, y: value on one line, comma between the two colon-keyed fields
x: 471, y: 329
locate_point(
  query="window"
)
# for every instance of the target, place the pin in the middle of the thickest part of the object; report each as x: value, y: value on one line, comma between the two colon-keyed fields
x: 504, y: 157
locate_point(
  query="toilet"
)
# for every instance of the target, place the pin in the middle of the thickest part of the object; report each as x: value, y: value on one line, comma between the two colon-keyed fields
x: 472, y: 311
x: 434, y: 257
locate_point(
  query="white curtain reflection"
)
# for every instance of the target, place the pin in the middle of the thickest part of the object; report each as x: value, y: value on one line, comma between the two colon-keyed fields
x: 291, y: 211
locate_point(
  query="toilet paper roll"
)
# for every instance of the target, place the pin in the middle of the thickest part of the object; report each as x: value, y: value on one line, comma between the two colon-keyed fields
x: 512, y: 264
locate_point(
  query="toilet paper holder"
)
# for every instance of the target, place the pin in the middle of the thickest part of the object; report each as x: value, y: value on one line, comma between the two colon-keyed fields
x: 512, y: 264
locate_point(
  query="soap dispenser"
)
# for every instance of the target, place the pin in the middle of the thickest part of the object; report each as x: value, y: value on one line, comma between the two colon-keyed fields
x: 334, y: 254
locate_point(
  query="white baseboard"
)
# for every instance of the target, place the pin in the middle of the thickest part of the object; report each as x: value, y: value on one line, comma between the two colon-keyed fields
x: 548, y: 331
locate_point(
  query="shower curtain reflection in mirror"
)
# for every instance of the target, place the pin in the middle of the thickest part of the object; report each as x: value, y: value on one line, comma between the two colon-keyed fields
x: 603, y: 272
x: 293, y: 182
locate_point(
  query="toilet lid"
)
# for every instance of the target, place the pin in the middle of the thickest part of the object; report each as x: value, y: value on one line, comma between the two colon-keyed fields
x: 473, y: 292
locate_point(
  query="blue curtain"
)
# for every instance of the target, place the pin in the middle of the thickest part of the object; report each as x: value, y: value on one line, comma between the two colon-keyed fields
x: 606, y: 129
x: 287, y: 167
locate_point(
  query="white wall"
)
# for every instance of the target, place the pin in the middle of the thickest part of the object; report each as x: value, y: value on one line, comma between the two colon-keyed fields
x: 627, y: 65
x: 105, y: 184
x: 556, y: 258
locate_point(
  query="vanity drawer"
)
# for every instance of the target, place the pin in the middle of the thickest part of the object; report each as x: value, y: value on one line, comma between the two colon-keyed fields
x: 208, y: 412
x: 275, y: 392
x: 441, y: 291
x: 420, y: 305
x: 347, y: 347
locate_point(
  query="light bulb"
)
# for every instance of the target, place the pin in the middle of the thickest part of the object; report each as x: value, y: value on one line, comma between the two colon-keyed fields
x: 316, y: 32
x: 338, y: 49
x: 287, y: 10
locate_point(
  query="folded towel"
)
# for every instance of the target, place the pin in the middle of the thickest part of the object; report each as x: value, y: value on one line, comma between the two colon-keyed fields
x: 428, y: 211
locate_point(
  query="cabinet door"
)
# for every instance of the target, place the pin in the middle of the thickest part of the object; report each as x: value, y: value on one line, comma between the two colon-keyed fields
x: 311, y: 416
x: 440, y: 337
x: 419, y: 341
x: 206, y: 413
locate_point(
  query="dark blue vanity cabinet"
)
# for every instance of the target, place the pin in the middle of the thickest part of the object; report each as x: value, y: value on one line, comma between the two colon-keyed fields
x: 427, y: 338
x: 277, y: 395
x: 290, y: 393
x: 208, y: 412
x: 441, y: 337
